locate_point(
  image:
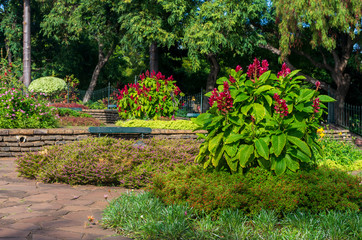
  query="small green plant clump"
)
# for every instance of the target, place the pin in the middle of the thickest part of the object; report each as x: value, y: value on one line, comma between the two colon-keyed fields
x: 159, y: 124
x: 342, y: 155
x: 153, y: 97
x: 48, y: 85
x: 212, y: 192
x: 143, y: 216
x: 107, y: 161
x: 260, y: 119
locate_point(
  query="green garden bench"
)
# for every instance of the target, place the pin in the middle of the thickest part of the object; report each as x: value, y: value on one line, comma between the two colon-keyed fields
x: 120, y: 130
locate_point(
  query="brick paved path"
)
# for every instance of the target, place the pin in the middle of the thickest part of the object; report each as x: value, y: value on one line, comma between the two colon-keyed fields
x: 31, y: 210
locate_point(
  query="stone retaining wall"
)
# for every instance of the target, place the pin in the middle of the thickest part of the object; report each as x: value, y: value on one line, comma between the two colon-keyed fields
x: 15, y: 142
x: 105, y: 115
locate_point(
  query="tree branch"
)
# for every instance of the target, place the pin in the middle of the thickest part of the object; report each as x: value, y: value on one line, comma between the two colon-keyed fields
x: 315, y: 63
x: 325, y: 86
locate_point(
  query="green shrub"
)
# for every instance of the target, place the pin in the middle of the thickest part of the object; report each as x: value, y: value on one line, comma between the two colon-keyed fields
x: 143, y: 216
x: 105, y: 161
x: 66, y: 112
x: 19, y: 110
x: 342, y: 155
x: 159, y: 124
x: 260, y: 119
x: 212, y: 192
x: 48, y: 85
x: 153, y: 97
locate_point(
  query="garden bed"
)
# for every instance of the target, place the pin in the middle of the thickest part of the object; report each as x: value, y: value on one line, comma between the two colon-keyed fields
x: 15, y: 142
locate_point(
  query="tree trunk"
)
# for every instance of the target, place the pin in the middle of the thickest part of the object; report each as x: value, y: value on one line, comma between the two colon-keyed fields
x: 211, y: 79
x: 154, y: 57
x: 26, y: 44
x: 343, y: 82
x: 8, y: 52
x: 101, y: 62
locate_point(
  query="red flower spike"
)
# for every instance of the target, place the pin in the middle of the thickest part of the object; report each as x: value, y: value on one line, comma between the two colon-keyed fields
x: 281, y: 106
x: 238, y: 68
x: 264, y: 67
x: 232, y: 79
x: 284, y: 71
x: 317, y: 84
x: 315, y: 105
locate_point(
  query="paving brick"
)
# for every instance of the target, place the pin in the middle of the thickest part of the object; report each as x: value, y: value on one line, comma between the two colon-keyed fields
x: 39, y: 144
x: 26, y: 144
x: 11, y: 144
x: 33, y: 138
x: 4, y: 149
x: 4, y: 132
x: 50, y: 137
x: 41, y: 131
x: 21, y: 131
x: 10, y: 139
x: 15, y: 149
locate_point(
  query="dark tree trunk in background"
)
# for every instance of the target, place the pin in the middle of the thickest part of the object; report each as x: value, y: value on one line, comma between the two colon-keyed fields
x: 26, y: 44
x: 154, y: 57
x: 211, y: 79
x: 102, y: 60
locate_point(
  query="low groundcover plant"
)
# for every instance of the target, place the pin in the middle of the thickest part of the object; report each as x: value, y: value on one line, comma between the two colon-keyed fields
x: 107, y: 161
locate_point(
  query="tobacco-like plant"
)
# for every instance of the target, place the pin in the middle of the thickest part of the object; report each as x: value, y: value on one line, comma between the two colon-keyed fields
x: 259, y: 118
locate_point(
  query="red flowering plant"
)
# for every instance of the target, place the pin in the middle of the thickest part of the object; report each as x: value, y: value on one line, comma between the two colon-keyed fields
x: 259, y: 118
x: 153, y: 97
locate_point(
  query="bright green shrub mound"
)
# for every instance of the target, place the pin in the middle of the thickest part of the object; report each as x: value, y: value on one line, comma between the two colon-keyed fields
x: 107, y: 161
x: 48, y: 85
x: 342, y: 155
x: 144, y: 216
x: 159, y: 124
x: 212, y: 192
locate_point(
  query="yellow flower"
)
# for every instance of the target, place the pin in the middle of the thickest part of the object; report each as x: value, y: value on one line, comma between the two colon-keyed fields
x: 322, y: 135
x: 320, y: 130
x: 340, y: 133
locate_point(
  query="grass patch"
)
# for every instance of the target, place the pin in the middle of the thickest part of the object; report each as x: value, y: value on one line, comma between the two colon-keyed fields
x: 143, y: 216
x: 159, y: 124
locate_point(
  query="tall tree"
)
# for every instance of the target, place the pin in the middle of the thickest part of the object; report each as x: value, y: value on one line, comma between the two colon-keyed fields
x: 330, y: 28
x: 26, y: 44
x: 95, y: 19
x: 147, y: 24
x: 218, y: 26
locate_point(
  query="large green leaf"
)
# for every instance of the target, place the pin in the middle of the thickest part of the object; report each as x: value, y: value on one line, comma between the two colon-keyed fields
x: 326, y: 98
x: 245, y: 152
x: 278, y: 143
x: 215, y: 142
x: 207, y: 163
x: 268, y: 99
x: 299, y: 155
x: 232, y: 162
x: 263, y: 89
x: 291, y: 163
x: 221, y: 80
x: 280, y: 165
x: 216, y: 158
x: 264, y: 76
x: 202, y: 118
x: 305, y: 95
x: 241, y: 97
x: 259, y: 112
x: 234, y: 138
x: 231, y: 149
x: 300, y: 144
x: 262, y: 148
